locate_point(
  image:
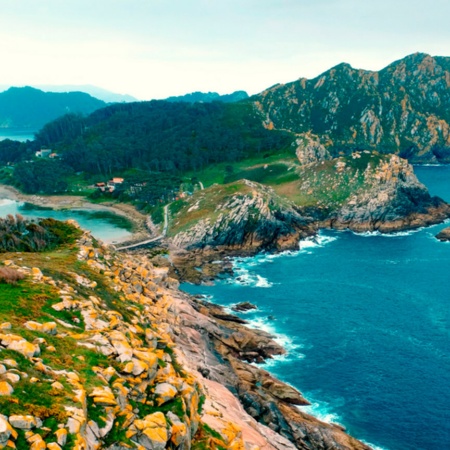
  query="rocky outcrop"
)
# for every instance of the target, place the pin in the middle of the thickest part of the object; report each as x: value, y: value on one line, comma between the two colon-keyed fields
x: 401, y: 109
x: 392, y: 200
x: 368, y: 191
x: 444, y: 235
x: 244, y: 216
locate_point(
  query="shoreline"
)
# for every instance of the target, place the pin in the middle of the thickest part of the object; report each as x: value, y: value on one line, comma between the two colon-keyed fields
x: 141, y: 222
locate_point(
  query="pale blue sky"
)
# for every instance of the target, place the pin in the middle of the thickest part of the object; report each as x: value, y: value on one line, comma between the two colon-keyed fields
x: 156, y: 48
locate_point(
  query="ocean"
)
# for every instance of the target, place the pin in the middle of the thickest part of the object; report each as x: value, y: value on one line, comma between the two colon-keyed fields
x: 366, y: 322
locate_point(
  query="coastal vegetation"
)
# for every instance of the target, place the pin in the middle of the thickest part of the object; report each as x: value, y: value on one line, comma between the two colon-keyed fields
x: 24, y: 235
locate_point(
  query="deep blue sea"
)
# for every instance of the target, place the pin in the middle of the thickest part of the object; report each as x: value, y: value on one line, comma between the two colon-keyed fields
x: 366, y: 321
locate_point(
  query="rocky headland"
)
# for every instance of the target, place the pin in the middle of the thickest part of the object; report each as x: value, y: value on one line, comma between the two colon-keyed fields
x: 101, y: 350
x: 366, y: 191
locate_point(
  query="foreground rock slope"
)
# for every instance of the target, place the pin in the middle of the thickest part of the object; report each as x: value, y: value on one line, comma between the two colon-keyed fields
x: 101, y: 350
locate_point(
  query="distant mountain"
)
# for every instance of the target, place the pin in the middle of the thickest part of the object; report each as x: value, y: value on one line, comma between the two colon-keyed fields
x: 206, y: 97
x: 31, y: 108
x: 97, y: 92
x: 403, y: 109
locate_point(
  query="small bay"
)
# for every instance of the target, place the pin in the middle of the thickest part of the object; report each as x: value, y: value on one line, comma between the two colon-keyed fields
x: 104, y: 225
x: 366, y: 322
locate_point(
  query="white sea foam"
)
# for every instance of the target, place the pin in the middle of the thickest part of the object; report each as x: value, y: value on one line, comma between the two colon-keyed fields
x: 373, y: 446
x: 320, y: 411
x: 315, y: 241
x: 388, y: 235
x: 245, y: 278
x: 269, y: 326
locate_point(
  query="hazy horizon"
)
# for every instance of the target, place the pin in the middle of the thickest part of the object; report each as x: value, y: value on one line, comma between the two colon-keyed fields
x: 150, y: 49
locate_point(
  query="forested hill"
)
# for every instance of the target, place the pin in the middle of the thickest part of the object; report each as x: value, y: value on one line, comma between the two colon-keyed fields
x: 161, y: 136
x: 26, y: 107
x: 403, y: 108
x: 209, y: 97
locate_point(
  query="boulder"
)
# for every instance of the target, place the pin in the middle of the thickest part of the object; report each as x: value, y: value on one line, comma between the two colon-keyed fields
x: 165, y: 392
x: 5, y: 388
x: 153, y: 431
x: 23, y: 422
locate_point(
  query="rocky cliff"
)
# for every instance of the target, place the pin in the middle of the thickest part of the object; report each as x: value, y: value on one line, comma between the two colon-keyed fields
x: 401, y: 109
x: 100, y: 350
x: 244, y: 216
x: 368, y: 191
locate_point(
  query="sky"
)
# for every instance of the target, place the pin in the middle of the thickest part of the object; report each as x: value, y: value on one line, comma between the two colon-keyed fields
x: 153, y: 49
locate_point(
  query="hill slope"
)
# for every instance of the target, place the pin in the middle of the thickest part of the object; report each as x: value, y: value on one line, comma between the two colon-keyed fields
x: 402, y: 109
x: 209, y: 97
x: 31, y: 108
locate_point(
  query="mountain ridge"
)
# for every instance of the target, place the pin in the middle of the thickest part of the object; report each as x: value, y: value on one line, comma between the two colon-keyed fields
x: 403, y: 108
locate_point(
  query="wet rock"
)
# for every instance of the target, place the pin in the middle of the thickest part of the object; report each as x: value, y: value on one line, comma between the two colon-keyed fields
x: 243, y: 307
x: 444, y: 235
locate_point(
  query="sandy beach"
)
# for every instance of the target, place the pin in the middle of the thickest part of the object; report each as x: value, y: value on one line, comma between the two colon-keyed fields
x: 141, y: 222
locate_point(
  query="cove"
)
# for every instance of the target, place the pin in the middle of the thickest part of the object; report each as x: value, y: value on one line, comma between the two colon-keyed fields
x: 103, y: 225
x: 366, y: 322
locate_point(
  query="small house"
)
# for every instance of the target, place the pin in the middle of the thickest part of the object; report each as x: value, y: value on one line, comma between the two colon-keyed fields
x: 43, y: 153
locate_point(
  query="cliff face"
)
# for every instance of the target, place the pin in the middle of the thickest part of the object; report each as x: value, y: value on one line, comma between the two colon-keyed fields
x: 244, y: 215
x: 102, y: 351
x: 401, y: 109
x: 369, y: 191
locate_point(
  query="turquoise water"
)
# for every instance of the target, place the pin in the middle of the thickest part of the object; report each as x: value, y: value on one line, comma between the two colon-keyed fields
x: 366, y: 320
x: 104, y: 226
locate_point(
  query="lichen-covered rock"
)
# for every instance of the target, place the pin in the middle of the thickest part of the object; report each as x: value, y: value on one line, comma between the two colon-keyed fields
x: 165, y: 392
x: 23, y: 422
x: 152, y: 432
x: 5, y: 388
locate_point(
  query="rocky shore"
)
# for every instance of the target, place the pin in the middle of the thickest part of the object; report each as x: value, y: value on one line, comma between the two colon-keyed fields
x: 132, y: 361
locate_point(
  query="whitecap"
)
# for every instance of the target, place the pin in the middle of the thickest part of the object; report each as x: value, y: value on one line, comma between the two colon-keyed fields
x: 262, y: 282
x: 244, y: 277
x: 269, y: 326
x: 373, y: 446
x: 388, y: 235
x: 319, y: 240
x: 321, y: 411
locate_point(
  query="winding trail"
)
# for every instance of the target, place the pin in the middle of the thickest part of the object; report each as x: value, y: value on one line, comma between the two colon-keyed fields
x: 166, y: 219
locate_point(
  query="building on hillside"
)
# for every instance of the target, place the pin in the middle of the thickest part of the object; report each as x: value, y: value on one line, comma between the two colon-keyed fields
x: 44, y: 153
